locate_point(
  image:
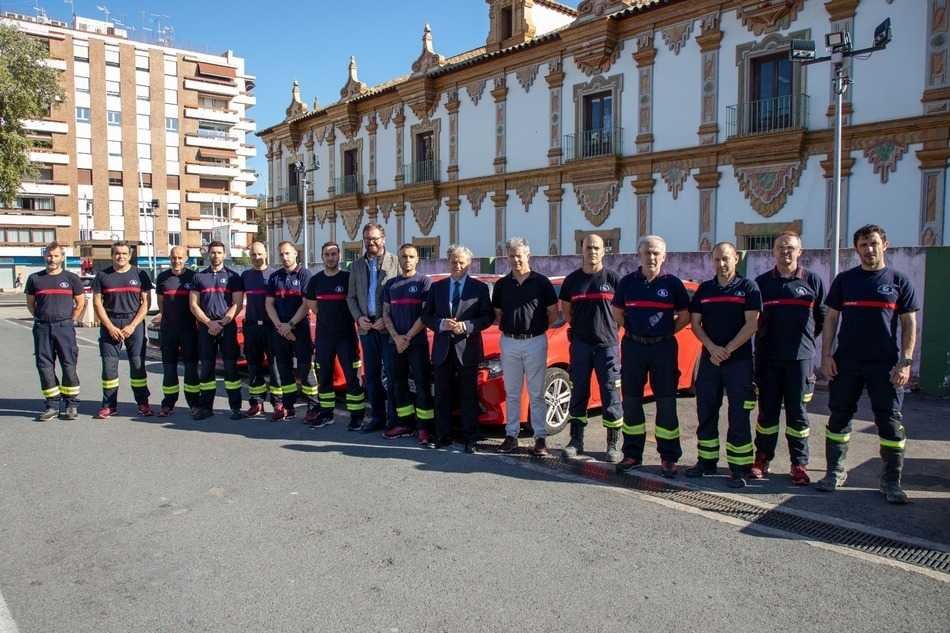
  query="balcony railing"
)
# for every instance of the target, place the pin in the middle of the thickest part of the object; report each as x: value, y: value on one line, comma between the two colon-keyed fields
x: 348, y: 184
x: 767, y: 115
x: 215, y: 134
x: 593, y: 143
x: 421, y: 171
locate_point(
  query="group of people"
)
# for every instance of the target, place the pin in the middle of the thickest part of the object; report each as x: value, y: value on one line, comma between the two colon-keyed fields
x: 759, y: 343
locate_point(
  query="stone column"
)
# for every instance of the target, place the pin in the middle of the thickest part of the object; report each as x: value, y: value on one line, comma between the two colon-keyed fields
x: 555, y: 79
x: 400, y: 121
x: 452, y: 107
x: 828, y: 167
x: 841, y: 15
x: 707, y: 179
x: 936, y: 97
x: 555, y: 195
x: 331, y: 162
x: 644, y: 185
x: 371, y: 176
x: 500, y: 93
x: 933, y: 171
x: 453, y: 205
x: 500, y: 200
x: 400, y: 210
x: 709, y: 40
x: 645, y: 57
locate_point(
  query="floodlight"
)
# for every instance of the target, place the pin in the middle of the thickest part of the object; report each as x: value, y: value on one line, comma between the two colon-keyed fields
x: 801, y: 50
x: 882, y: 34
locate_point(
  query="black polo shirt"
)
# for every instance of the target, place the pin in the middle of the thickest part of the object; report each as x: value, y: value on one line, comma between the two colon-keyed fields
x: 255, y: 294
x: 590, y: 295
x: 723, y: 310
x: 333, y: 315
x: 406, y: 297
x: 793, y: 314
x: 870, y: 303
x: 287, y: 288
x: 216, y: 290
x: 524, y: 306
x: 54, y: 294
x: 174, y: 290
x: 121, y: 292
x: 649, y: 306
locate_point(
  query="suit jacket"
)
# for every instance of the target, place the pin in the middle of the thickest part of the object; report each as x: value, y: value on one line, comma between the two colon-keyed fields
x: 359, y: 284
x: 474, y: 309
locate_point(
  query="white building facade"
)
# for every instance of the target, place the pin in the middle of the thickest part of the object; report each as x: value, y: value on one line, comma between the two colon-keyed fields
x: 678, y: 117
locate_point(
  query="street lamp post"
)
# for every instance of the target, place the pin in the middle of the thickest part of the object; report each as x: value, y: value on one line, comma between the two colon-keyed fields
x: 302, y: 172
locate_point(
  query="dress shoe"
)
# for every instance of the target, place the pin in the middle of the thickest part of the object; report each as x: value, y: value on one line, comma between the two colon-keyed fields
x: 355, y: 424
x: 201, y: 414
x: 439, y: 443
x: 106, y: 413
x: 540, y: 448
x: 668, y: 469
x: 628, y: 464
x: 701, y: 470
x: 236, y: 414
x: 371, y: 426
x: 145, y: 410
x: 470, y: 447
x: 509, y: 445
x: 255, y: 409
x: 164, y: 412
x: 800, y: 475
x: 280, y: 413
x: 397, y: 432
x: 422, y: 437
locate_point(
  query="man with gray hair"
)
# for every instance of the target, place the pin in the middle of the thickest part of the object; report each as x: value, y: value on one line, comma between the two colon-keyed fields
x: 525, y: 307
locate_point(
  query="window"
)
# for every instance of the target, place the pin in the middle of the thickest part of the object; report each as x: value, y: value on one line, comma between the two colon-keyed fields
x: 171, y: 124
x: 115, y: 178
x: 112, y: 55
x: 42, y: 43
x: 611, y: 239
x: 27, y: 236
x: 213, y: 130
x: 44, y: 174
x: 212, y: 103
x: 82, y: 114
x: 82, y: 84
x: 171, y: 96
x: 174, y: 238
x: 112, y: 87
x: 206, y: 237
x: 113, y: 117
x: 174, y: 211
x: 40, y: 140
x: 145, y: 151
x: 212, y: 183
x: 756, y: 242
x: 427, y: 247
x: 114, y: 148
x: 597, y: 136
x: 350, y: 171
x: 171, y: 154
x: 213, y: 210
x: 760, y: 236
x: 171, y: 182
x: 142, y: 121
x: 146, y: 180
x: 85, y: 176
x: 81, y: 51
x: 83, y: 146
x: 506, y: 23
x: 141, y: 61
x: 171, y: 67
x: 142, y: 93
x: 352, y: 251
x: 770, y: 106
x: 424, y: 147
x: 34, y: 204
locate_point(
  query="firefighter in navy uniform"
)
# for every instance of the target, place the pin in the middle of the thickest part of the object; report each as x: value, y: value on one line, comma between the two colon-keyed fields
x: 725, y: 313
x: 793, y: 314
x: 258, y: 331
x: 217, y: 297
x: 585, y: 303
x: 290, y: 342
x: 869, y: 301
x: 652, y: 307
x: 336, y: 338
x: 121, y: 299
x: 179, y: 337
x: 404, y: 299
x: 55, y: 299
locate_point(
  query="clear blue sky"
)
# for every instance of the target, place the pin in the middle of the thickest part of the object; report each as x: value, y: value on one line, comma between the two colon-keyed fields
x: 310, y: 41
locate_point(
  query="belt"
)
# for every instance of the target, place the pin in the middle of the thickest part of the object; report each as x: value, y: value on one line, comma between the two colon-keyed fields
x: 648, y: 340
x: 120, y: 315
x: 53, y: 321
x: 521, y: 337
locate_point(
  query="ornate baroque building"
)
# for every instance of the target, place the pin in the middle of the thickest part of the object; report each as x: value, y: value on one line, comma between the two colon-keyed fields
x: 678, y: 117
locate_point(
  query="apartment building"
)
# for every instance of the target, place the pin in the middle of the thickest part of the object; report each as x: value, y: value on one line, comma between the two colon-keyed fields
x: 148, y: 145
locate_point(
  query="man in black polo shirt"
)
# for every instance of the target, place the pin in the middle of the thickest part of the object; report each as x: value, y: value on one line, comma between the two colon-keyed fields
x: 290, y: 341
x: 869, y: 301
x: 217, y: 297
x: 652, y: 307
x: 121, y: 298
x: 336, y: 338
x: 404, y: 299
x: 55, y: 299
x: 258, y: 331
x: 585, y: 302
x: 178, y: 335
x: 725, y: 313
x: 525, y: 307
x: 793, y: 314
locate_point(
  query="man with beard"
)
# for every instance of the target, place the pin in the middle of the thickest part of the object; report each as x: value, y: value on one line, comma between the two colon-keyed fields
x: 179, y: 338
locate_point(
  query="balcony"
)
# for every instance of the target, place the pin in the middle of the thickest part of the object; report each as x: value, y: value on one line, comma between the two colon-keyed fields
x: 212, y: 88
x: 593, y: 143
x: 212, y: 139
x: 44, y: 188
x: 346, y: 185
x: 421, y: 172
x: 226, y: 171
x: 57, y: 127
x: 47, y: 156
x: 210, y: 114
x: 766, y: 116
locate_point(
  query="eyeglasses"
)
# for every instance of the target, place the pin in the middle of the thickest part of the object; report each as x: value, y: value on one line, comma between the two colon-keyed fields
x: 373, y: 239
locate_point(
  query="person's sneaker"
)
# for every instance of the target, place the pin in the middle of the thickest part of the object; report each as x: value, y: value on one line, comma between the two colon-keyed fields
x: 164, y: 412
x: 422, y: 436
x: 280, y: 413
x: 736, y: 481
x: 701, y: 470
x: 831, y: 482
x: 668, y: 469
x: 236, y: 414
x: 200, y: 413
x: 540, y: 448
x: 255, y: 409
x: 145, y: 410
x: 893, y: 493
x: 397, y: 431
x: 800, y: 475
x: 289, y: 413
x: 355, y: 425
x: 71, y: 413
x: 760, y: 468
x: 627, y: 464
x: 47, y: 415
x: 105, y: 413
x: 510, y: 444
x: 312, y: 417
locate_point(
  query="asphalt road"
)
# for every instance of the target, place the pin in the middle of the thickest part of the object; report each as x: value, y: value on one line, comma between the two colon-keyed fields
x: 147, y: 525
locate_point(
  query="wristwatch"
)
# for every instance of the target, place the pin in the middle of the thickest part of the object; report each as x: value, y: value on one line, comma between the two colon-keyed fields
x: 905, y: 362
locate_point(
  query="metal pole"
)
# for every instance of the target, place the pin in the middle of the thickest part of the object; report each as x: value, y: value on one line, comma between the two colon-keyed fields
x: 840, y: 86
x: 306, y: 242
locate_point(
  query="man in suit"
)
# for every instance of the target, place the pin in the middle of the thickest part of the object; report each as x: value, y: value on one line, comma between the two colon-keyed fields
x: 368, y: 275
x: 459, y: 308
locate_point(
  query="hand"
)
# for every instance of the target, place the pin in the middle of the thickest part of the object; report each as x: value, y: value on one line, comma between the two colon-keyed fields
x: 290, y: 336
x: 214, y: 328
x: 900, y: 376
x: 364, y: 324
x: 402, y: 342
x: 379, y: 325
x: 829, y: 369
x: 115, y: 333
x: 460, y: 328
x: 127, y: 331
x: 284, y: 330
x: 449, y: 325
x: 718, y: 354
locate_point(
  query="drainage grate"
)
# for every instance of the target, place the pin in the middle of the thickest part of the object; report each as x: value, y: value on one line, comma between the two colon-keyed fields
x: 809, y: 528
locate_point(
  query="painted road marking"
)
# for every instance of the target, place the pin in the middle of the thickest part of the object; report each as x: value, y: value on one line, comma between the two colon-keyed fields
x: 7, y: 625
x: 81, y: 340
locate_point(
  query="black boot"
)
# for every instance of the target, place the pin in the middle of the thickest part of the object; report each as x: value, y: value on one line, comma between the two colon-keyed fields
x: 891, y: 477
x: 835, y: 453
x: 576, y: 446
x: 614, y: 454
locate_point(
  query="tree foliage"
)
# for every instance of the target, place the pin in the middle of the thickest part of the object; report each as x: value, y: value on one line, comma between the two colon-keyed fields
x: 27, y: 90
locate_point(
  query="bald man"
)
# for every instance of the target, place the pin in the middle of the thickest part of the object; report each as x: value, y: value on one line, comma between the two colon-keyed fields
x: 178, y: 336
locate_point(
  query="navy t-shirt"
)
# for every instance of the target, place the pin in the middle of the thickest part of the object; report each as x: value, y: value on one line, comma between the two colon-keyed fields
x: 590, y: 295
x: 121, y: 292
x: 287, y: 289
x: 406, y: 297
x: 793, y: 314
x: 54, y: 294
x: 649, y: 306
x: 255, y: 293
x: 723, y: 310
x: 870, y: 303
x: 333, y: 315
x: 175, y: 290
x: 216, y: 290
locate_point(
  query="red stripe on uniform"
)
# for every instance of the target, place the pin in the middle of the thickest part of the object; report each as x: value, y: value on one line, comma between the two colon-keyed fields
x: 54, y: 291
x: 331, y: 297
x: 805, y: 303
x: 593, y: 296
x: 398, y: 302
x: 883, y: 305
x: 723, y: 300
x: 214, y: 289
x: 108, y: 291
x: 648, y: 304
x: 288, y: 293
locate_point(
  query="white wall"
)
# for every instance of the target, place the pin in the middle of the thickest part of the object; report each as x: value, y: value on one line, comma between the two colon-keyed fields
x: 546, y: 20
x: 677, y: 221
x: 895, y: 205
x: 677, y: 91
x: 476, y: 232
x: 476, y: 140
x: 527, y: 123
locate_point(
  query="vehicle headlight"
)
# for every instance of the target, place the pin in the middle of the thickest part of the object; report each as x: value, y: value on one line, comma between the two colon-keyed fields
x: 493, y: 365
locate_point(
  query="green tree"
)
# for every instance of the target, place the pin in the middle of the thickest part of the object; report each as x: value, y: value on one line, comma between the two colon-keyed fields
x: 27, y: 90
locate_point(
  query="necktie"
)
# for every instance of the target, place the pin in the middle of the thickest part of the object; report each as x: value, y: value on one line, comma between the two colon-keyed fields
x: 456, y: 297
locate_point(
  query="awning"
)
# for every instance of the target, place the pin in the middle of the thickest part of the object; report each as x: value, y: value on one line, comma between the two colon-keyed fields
x: 208, y: 153
x: 214, y: 70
